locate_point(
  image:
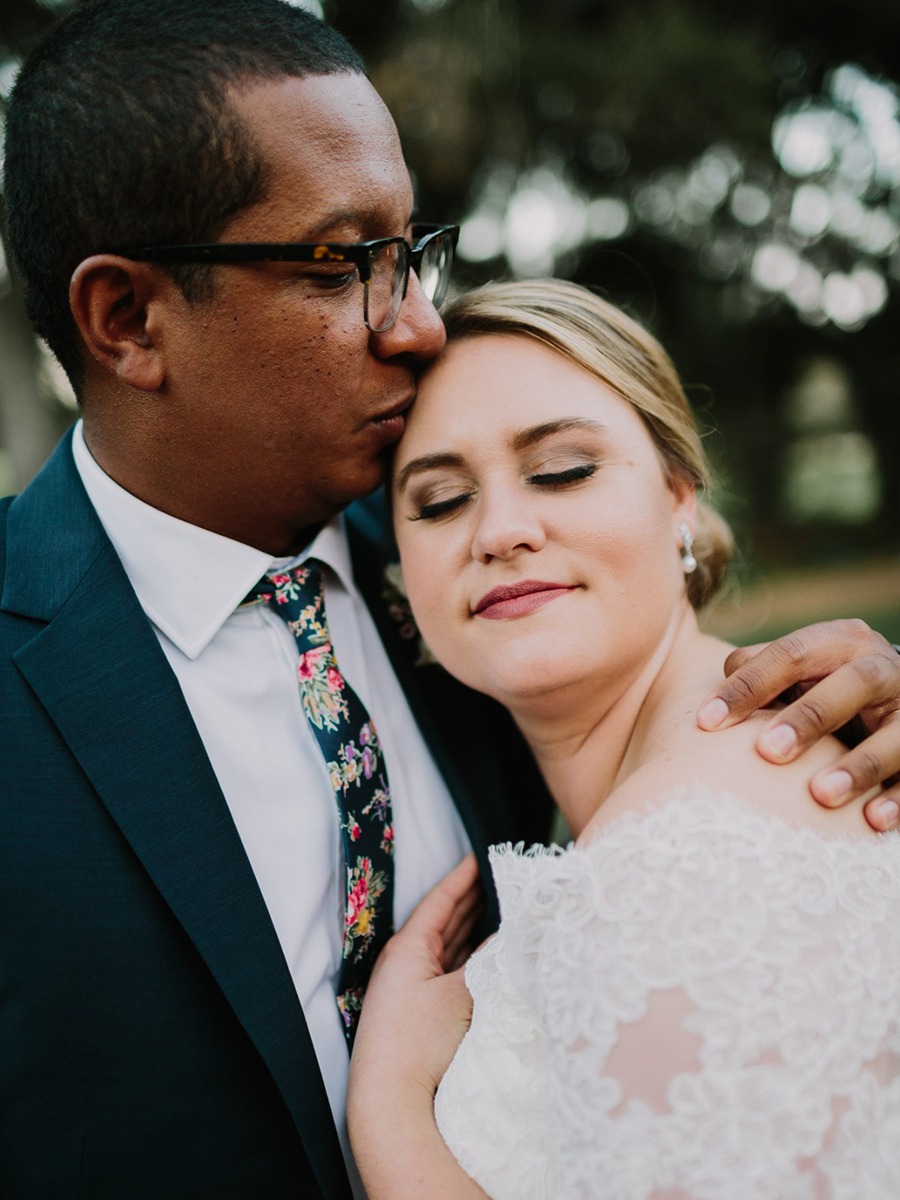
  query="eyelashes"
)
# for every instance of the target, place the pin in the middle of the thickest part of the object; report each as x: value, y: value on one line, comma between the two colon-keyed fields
x: 440, y: 508
x: 320, y: 278
x: 433, y: 510
x: 559, y: 479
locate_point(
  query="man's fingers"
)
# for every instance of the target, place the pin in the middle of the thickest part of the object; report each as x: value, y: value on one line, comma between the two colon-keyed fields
x: 753, y: 683
x: 741, y: 654
x: 862, y: 684
x: 758, y: 676
x: 874, y: 761
x: 883, y: 813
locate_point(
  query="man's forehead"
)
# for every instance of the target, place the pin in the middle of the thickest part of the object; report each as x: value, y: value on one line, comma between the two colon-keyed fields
x: 331, y: 149
x: 333, y: 113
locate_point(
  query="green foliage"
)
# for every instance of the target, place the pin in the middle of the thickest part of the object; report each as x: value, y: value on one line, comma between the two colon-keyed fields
x: 663, y: 111
x: 647, y: 103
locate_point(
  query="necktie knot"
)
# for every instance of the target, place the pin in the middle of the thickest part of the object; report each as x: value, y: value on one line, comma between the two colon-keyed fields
x: 298, y: 597
x: 288, y: 587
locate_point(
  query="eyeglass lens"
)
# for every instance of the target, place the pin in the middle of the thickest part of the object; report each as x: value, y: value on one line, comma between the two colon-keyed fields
x: 387, y: 283
x: 434, y: 269
x: 389, y: 271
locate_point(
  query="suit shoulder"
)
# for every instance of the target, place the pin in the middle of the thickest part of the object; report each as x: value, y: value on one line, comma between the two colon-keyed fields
x: 5, y: 502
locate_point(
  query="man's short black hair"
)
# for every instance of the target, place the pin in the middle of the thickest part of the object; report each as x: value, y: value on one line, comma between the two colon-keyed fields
x: 119, y: 134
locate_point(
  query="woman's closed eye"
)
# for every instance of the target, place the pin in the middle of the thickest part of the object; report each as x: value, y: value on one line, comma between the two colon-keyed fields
x: 435, y: 503
x: 564, y: 476
x: 433, y: 508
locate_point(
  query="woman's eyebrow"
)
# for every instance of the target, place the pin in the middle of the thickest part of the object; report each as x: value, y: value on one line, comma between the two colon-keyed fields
x: 537, y: 433
x: 522, y: 440
x: 427, y: 462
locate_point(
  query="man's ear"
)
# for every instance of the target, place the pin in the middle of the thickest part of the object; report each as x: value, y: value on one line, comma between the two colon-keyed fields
x: 116, y: 304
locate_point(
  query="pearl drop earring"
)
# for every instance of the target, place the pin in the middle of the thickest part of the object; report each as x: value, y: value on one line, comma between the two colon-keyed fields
x: 688, y: 562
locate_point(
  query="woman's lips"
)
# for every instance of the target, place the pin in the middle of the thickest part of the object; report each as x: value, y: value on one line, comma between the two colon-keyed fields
x: 515, y: 600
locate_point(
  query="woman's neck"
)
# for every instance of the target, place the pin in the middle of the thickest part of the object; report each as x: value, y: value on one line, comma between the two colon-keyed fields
x: 589, y: 739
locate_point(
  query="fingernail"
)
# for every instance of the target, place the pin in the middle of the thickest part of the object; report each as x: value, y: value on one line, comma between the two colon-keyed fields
x: 835, y: 785
x: 712, y: 713
x: 780, y: 741
x: 889, y: 812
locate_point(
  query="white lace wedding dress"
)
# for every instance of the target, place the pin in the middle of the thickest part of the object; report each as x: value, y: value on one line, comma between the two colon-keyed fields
x: 703, y: 1004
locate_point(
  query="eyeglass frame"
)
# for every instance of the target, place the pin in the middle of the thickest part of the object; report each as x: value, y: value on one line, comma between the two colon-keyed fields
x: 358, y: 253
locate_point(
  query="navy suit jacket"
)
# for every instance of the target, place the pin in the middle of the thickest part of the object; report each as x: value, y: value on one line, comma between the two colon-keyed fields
x: 151, y: 1041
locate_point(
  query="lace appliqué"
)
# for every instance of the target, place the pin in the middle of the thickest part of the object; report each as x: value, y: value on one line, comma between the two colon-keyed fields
x: 702, y: 1004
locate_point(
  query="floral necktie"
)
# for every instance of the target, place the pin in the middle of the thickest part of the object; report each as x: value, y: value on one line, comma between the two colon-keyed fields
x: 347, y: 738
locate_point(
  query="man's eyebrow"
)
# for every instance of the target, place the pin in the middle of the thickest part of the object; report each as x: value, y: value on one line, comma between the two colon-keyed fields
x: 427, y: 462
x: 356, y: 219
x: 537, y: 433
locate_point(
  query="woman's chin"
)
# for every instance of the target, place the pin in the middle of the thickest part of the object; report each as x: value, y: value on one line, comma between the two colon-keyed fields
x: 517, y: 684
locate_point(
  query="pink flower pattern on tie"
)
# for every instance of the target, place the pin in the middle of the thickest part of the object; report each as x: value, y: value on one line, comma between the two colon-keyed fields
x: 354, y: 759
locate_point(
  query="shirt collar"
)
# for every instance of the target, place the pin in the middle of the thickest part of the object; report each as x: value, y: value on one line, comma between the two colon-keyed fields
x: 189, y: 580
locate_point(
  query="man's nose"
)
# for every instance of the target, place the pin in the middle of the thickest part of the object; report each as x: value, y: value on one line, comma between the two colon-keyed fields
x: 418, y: 330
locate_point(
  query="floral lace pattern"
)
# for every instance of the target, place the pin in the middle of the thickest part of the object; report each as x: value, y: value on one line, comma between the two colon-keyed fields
x: 702, y: 1004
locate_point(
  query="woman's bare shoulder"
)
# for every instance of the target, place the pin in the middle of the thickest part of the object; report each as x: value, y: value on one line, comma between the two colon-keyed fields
x: 728, y: 761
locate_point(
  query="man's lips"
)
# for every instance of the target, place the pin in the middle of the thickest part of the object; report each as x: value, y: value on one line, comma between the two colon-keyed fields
x: 400, y: 406
x: 392, y: 422
x: 517, y: 599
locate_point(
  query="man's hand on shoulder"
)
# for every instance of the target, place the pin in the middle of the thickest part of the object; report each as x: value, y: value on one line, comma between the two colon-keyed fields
x: 836, y: 675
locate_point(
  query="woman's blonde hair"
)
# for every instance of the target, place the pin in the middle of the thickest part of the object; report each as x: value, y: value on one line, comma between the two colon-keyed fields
x: 605, y: 341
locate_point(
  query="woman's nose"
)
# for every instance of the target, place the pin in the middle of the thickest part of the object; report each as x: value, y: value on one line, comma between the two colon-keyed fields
x: 508, y: 524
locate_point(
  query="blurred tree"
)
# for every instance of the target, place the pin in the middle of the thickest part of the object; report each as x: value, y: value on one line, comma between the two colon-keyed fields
x: 631, y: 144
x: 732, y: 174
x: 30, y: 421
x: 24, y: 21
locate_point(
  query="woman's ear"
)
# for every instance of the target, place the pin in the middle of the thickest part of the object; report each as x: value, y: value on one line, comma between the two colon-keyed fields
x: 115, y: 304
x: 684, y: 501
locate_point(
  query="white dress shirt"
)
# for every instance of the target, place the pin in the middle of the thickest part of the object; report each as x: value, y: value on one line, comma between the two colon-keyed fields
x: 237, y: 670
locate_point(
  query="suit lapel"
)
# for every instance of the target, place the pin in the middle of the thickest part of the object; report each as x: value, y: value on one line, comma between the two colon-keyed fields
x: 99, y: 672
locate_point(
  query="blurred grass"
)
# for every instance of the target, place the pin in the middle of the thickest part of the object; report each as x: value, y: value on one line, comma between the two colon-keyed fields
x: 758, y: 610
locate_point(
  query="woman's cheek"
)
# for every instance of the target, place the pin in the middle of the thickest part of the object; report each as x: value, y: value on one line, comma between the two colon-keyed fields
x: 419, y: 582
x: 429, y: 592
